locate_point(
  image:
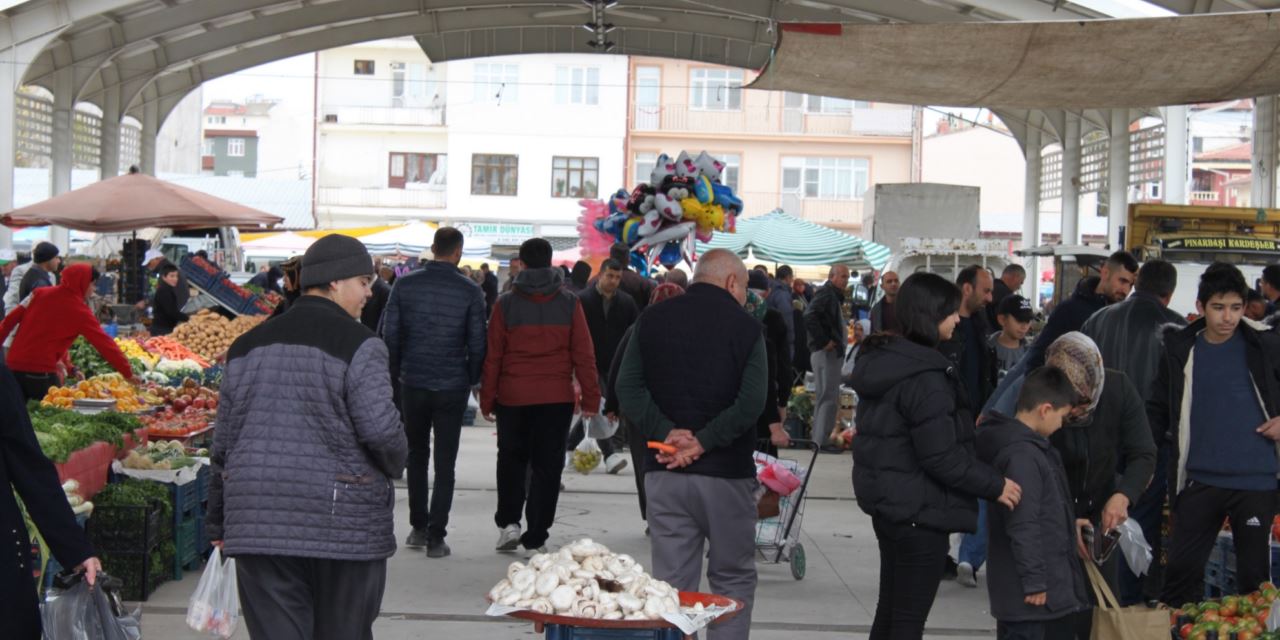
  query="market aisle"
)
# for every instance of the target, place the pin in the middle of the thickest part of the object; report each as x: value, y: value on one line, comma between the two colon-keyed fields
x: 444, y: 598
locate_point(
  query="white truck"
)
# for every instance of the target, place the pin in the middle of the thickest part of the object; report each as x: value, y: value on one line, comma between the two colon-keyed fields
x: 948, y: 257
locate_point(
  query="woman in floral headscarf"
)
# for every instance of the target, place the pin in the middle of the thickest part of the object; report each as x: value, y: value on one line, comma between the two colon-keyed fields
x: 770, y: 424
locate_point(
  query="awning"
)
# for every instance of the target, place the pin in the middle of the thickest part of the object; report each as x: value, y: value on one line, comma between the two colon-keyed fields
x: 288, y: 242
x: 407, y: 240
x: 134, y: 201
x: 1037, y: 65
x: 778, y: 237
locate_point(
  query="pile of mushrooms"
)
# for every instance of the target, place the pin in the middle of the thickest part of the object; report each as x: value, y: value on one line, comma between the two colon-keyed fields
x: 585, y: 580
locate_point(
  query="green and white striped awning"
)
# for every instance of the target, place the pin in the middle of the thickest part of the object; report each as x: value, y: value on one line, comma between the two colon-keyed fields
x: 778, y: 237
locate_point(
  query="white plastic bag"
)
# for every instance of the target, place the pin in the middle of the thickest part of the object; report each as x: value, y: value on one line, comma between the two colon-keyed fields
x: 215, y: 605
x: 1137, y: 553
x: 600, y: 427
x: 586, y: 456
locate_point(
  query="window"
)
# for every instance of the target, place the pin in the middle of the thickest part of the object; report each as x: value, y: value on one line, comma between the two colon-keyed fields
x: 716, y: 89
x: 828, y: 105
x: 574, y: 177
x: 644, y: 164
x: 363, y: 68
x: 235, y: 147
x: 825, y: 178
x: 206, y: 147
x: 493, y: 175
x: 577, y: 85
x: 413, y: 169
x: 732, y: 170
x: 496, y: 83
x: 217, y: 119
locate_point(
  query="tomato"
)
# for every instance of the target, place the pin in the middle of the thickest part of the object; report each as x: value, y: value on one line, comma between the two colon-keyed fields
x: 1210, y: 615
x: 1185, y: 631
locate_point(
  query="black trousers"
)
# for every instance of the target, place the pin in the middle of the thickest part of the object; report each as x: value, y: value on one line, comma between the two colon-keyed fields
x: 286, y: 598
x: 35, y: 385
x: 1149, y: 514
x: 911, y: 562
x: 1197, y: 516
x: 638, y: 445
x: 1028, y: 630
x: 532, y: 438
x: 426, y: 411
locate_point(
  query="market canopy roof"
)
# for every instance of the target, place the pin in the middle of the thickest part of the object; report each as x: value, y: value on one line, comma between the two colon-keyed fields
x: 408, y: 239
x: 778, y: 237
x: 287, y: 241
x: 135, y: 201
x: 1035, y: 65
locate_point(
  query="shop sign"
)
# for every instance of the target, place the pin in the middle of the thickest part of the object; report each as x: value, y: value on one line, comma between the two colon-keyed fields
x: 1221, y: 243
x: 499, y: 233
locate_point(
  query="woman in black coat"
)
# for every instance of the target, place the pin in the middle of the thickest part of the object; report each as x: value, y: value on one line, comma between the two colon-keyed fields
x: 915, y: 471
x: 27, y: 474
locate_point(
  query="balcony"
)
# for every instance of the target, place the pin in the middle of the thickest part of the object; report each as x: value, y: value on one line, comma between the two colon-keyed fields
x: 1206, y: 197
x: 383, y: 116
x: 381, y: 197
x: 773, y: 120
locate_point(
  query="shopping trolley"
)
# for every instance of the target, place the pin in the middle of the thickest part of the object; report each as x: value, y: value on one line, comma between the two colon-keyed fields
x: 778, y: 537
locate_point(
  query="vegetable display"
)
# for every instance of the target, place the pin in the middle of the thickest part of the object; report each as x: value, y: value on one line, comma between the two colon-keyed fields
x: 61, y: 433
x: 164, y: 455
x: 167, y: 347
x: 87, y: 360
x: 109, y: 386
x: 123, y: 524
x: 210, y: 334
x: 1241, y: 617
x: 134, y: 351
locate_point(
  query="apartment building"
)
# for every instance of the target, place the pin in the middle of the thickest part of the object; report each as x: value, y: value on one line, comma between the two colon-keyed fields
x: 815, y: 157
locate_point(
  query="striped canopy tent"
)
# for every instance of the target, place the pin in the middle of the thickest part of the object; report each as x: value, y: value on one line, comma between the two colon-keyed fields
x: 406, y: 240
x: 778, y: 237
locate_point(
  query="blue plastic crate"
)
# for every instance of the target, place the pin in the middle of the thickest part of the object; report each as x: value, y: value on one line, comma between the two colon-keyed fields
x: 566, y: 632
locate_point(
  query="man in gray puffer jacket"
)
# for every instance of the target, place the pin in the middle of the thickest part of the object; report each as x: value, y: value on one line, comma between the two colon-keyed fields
x: 307, y: 443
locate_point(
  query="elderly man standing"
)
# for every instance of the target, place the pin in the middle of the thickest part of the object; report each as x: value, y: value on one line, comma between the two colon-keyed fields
x: 825, y: 326
x: 307, y: 443
x: 1010, y: 281
x: 883, y: 315
x: 435, y: 333
x: 694, y: 375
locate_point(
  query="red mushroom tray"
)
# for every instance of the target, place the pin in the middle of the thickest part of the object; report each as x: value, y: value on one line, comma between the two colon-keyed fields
x: 687, y: 599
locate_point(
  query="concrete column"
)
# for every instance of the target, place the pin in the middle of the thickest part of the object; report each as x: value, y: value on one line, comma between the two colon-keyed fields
x: 1177, y: 165
x: 8, y: 147
x: 1117, y: 176
x: 109, y: 146
x: 63, y: 113
x: 1263, y: 192
x: 150, y: 129
x: 1031, y: 211
x: 1070, y: 178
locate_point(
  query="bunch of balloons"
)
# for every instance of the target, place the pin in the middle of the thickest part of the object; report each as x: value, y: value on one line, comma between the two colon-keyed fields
x: 683, y: 199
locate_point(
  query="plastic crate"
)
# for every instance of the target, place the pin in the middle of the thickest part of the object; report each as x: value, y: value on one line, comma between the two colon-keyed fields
x: 137, y: 570
x: 566, y: 632
x: 116, y: 528
x: 186, y: 537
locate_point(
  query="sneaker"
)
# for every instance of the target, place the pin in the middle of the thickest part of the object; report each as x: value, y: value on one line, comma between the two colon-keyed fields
x: 965, y: 575
x: 615, y: 463
x: 436, y: 548
x: 509, y: 539
x: 529, y: 553
x: 417, y: 539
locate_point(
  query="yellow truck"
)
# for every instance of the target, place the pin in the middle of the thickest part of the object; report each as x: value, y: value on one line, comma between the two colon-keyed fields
x: 1193, y: 237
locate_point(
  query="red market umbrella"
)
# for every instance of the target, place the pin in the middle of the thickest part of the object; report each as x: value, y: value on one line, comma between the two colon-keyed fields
x: 134, y: 201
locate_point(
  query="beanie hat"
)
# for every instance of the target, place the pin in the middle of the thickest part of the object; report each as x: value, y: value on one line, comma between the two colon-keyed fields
x: 335, y: 257
x: 44, y: 252
x: 1078, y: 357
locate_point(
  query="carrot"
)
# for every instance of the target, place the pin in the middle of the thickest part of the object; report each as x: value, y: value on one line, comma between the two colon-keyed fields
x: 664, y: 448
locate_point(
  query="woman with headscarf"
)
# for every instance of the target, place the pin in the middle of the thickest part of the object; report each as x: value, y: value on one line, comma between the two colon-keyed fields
x: 769, y: 426
x: 1105, y: 431
x: 635, y: 441
x: 861, y: 329
x: 915, y: 471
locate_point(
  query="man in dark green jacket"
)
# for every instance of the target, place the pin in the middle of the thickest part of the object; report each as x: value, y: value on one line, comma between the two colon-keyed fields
x: 694, y: 375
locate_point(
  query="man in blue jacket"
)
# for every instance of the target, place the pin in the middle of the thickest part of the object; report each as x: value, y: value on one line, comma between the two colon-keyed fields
x: 434, y: 325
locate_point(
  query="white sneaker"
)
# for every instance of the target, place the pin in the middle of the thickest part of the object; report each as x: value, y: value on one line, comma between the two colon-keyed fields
x: 615, y: 463
x: 509, y: 538
x: 965, y: 575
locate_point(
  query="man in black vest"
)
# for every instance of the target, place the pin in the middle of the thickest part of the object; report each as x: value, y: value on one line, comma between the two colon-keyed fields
x: 694, y: 376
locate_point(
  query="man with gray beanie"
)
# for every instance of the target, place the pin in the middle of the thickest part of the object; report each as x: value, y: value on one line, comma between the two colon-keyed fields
x: 307, y: 443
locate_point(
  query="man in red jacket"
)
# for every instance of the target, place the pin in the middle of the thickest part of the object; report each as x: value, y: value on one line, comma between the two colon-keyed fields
x: 51, y: 319
x: 538, y: 344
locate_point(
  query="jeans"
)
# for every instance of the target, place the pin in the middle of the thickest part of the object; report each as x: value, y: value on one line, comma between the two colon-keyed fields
x: 1196, y: 518
x: 826, y: 401
x: 973, y: 546
x: 426, y: 411
x: 911, y: 563
x: 1149, y: 514
x: 531, y: 437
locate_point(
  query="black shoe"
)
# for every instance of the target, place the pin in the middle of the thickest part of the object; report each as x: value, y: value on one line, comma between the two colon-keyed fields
x: 436, y: 548
x: 829, y: 448
x: 951, y: 570
x: 417, y: 539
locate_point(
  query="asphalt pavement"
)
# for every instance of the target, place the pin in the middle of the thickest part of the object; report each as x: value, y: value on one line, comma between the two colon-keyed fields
x: 444, y: 598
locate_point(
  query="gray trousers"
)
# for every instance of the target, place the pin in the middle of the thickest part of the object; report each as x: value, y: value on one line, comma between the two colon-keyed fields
x: 826, y: 389
x: 687, y: 511
x: 287, y: 598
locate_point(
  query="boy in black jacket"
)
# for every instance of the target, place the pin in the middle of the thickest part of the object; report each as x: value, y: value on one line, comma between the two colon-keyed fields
x: 1035, y: 577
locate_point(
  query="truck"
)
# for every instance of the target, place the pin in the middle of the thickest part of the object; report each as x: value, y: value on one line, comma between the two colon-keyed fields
x: 948, y: 257
x: 1194, y: 237
x: 949, y: 213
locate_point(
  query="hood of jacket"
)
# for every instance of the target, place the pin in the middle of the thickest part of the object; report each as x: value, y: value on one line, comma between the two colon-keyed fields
x: 539, y: 282
x: 999, y: 431
x: 1087, y: 287
x: 76, y: 278
x: 885, y: 361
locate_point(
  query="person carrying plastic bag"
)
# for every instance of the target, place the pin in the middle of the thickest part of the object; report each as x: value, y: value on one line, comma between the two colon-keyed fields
x: 215, y: 605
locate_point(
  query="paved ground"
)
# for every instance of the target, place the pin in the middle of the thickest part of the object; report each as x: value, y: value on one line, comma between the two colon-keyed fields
x: 445, y: 598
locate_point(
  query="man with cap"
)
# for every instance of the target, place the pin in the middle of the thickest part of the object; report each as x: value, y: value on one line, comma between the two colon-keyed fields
x: 307, y: 444
x: 45, y: 262
x: 154, y: 260
x: 539, y: 343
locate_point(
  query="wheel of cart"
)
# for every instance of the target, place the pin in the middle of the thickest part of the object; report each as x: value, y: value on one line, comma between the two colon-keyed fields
x: 778, y: 537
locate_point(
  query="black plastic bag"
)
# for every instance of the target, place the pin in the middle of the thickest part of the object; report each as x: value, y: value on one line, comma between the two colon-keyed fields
x: 73, y: 610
